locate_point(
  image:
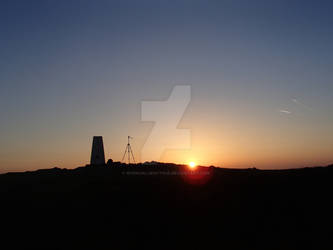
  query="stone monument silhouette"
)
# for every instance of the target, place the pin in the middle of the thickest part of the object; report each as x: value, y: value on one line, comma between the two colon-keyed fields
x: 97, y: 151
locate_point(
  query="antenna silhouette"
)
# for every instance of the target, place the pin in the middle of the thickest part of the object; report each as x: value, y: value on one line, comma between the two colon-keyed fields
x: 128, y: 151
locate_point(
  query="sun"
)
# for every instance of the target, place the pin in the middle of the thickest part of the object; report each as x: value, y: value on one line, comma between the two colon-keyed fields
x: 192, y: 164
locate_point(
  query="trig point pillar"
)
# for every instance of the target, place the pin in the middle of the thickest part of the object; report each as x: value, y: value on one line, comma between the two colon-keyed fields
x: 97, y: 151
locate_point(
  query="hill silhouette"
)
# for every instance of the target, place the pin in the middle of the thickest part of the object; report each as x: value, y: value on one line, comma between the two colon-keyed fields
x: 167, y: 206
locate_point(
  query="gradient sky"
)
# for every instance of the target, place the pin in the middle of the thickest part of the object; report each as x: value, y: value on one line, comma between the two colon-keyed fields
x: 260, y: 72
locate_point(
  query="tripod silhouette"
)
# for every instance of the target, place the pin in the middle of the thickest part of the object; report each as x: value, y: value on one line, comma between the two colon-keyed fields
x: 128, y: 151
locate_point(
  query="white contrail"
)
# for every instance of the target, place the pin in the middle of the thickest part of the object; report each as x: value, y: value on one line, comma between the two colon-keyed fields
x: 301, y: 104
x: 285, y: 111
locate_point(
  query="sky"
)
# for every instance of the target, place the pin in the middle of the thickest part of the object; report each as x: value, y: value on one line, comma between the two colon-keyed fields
x: 260, y: 74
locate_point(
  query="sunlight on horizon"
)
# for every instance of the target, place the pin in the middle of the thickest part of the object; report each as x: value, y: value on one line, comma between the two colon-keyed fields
x: 192, y: 164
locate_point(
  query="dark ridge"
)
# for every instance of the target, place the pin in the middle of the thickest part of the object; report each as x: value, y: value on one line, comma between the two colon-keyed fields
x: 167, y: 206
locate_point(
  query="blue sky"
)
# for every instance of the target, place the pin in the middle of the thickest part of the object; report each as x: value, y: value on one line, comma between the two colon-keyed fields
x: 73, y: 69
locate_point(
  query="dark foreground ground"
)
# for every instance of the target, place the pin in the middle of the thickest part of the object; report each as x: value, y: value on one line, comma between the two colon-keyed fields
x: 166, y: 207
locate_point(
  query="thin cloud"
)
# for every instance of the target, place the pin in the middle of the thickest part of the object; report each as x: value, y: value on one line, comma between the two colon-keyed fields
x: 296, y: 101
x: 283, y: 111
